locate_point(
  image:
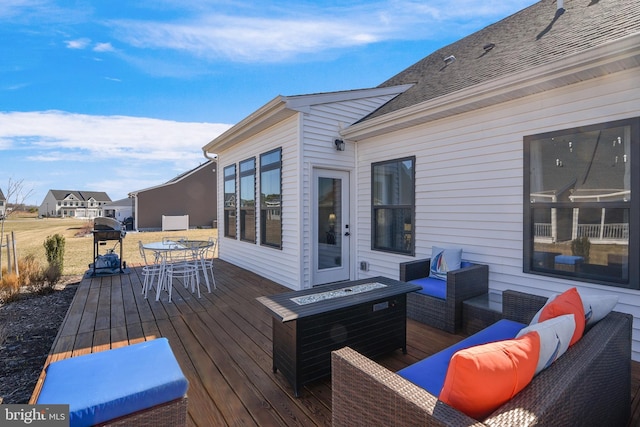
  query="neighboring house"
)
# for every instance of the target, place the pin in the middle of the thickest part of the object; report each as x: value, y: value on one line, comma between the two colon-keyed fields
x: 120, y: 209
x: 192, y: 193
x: 3, y: 204
x: 77, y: 204
x: 515, y: 144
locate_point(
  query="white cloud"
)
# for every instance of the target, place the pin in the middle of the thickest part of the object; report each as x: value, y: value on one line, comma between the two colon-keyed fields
x: 116, y: 154
x: 78, y: 43
x: 103, y: 47
x: 56, y: 135
x: 294, y: 30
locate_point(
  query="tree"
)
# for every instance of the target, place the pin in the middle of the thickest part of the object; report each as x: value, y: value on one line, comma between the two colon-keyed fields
x: 15, y: 195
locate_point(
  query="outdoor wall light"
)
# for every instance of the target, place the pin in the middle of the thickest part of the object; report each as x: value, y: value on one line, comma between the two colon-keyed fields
x: 339, y: 143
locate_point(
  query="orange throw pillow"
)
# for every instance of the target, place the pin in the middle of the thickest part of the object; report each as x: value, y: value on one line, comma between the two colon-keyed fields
x: 568, y: 302
x: 480, y: 379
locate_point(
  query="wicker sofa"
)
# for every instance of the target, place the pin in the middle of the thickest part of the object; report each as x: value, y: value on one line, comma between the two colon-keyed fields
x: 590, y: 385
x: 446, y: 314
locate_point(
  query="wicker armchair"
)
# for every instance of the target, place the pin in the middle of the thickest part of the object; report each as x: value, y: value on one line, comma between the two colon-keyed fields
x: 469, y: 281
x: 590, y: 385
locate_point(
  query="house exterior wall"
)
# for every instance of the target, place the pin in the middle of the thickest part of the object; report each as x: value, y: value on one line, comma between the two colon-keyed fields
x: 469, y: 182
x: 321, y: 126
x: 119, y: 211
x: 49, y: 206
x: 194, y: 195
x: 307, y: 142
x: 279, y: 265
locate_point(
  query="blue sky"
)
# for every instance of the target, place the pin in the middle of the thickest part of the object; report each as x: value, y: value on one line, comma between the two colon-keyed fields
x: 121, y: 95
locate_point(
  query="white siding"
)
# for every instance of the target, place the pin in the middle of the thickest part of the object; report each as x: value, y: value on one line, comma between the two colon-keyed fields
x: 469, y: 181
x: 280, y: 265
x: 306, y: 140
x: 321, y: 127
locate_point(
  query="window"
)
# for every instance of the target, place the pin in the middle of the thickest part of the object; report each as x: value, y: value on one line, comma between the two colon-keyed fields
x: 271, y: 198
x: 393, y: 206
x: 230, y: 201
x: 248, y: 200
x: 580, y: 220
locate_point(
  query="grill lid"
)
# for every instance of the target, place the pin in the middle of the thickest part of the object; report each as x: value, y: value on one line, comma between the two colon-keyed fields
x: 104, y: 223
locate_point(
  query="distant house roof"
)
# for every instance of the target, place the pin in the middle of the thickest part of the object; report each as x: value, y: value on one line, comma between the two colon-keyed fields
x: 80, y: 195
x: 176, y: 179
x: 2, y: 195
x: 122, y: 203
x: 538, y: 35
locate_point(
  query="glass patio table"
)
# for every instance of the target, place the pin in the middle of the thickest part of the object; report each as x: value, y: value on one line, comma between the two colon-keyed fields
x: 163, y: 250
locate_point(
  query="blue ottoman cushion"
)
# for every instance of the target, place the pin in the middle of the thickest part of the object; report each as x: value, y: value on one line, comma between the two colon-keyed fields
x: 568, y: 259
x: 102, y: 386
x: 430, y: 373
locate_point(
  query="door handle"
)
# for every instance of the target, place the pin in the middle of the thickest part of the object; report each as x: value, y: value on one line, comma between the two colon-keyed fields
x: 347, y: 234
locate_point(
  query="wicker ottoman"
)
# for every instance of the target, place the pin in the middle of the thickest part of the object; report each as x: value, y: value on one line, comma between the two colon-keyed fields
x: 141, y: 384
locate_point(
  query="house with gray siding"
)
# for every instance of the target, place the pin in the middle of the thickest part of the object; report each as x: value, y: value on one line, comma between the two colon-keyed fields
x: 191, y: 194
x: 515, y: 143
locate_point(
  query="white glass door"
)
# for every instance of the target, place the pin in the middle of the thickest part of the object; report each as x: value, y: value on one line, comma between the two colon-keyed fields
x: 331, y: 232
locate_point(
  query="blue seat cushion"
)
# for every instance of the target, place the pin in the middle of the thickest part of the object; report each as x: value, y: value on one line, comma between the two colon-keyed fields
x: 102, y: 386
x: 431, y: 286
x: 430, y: 373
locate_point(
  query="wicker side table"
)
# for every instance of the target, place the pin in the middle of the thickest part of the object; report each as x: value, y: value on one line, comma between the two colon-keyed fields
x: 480, y: 312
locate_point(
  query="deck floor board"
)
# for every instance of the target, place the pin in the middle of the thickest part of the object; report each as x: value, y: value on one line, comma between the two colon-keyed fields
x: 222, y: 342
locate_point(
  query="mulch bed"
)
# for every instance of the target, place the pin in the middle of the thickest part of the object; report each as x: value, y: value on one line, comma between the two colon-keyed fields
x: 28, y: 328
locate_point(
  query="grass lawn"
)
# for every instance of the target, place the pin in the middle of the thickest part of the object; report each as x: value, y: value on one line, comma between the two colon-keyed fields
x: 30, y: 234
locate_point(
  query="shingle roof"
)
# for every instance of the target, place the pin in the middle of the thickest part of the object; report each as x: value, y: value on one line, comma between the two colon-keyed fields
x: 534, y: 36
x: 2, y: 195
x: 81, y: 195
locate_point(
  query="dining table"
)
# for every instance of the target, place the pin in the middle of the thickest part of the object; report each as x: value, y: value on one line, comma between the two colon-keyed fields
x: 166, y: 249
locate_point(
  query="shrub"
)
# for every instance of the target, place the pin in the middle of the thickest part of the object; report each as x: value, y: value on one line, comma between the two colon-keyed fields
x: 54, y: 248
x: 30, y: 270
x: 581, y: 247
x: 52, y: 274
x: 85, y: 230
x: 9, y: 287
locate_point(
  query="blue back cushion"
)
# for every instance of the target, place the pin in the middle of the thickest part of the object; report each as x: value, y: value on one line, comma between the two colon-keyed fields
x: 102, y: 386
x: 430, y: 373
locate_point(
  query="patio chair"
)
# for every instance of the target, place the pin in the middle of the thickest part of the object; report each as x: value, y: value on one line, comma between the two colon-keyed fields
x: 150, y: 271
x: 445, y: 310
x: 181, y: 264
x: 206, y: 261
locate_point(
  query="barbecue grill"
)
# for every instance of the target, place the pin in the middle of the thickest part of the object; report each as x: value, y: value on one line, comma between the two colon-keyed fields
x: 104, y: 230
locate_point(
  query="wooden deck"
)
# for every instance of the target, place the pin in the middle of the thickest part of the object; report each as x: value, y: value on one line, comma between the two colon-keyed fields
x: 223, y: 344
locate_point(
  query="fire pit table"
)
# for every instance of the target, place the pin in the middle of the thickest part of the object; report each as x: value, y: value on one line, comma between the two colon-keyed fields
x: 368, y: 315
